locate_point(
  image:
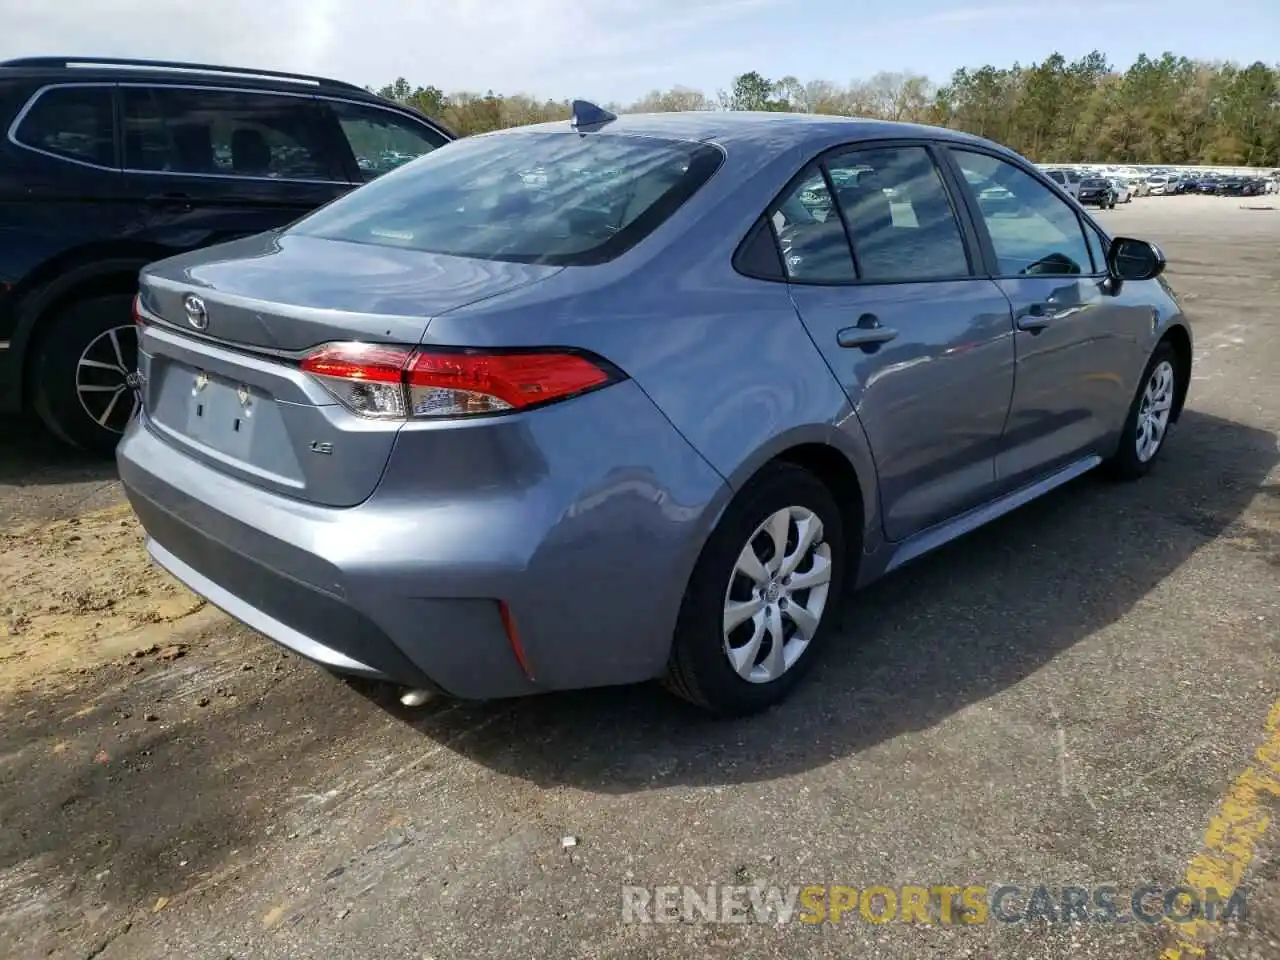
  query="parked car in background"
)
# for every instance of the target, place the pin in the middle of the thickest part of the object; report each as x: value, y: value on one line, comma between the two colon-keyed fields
x: 111, y: 164
x: 1123, y: 192
x: 1159, y: 185
x: 1140, y: 186
x: 1069, y: 180
x: 1098, y: 192
x: 1241, y: 186
x: 413, y: 435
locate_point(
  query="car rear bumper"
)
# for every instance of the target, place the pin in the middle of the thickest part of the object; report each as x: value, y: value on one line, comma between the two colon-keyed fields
x: 581, y: 539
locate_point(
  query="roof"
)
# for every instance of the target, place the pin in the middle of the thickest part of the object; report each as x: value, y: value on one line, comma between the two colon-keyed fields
x: 732, y: 127
x: 109, y: 69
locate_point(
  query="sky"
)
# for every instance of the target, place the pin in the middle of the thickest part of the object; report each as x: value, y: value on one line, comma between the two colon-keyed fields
x: 618, y: 50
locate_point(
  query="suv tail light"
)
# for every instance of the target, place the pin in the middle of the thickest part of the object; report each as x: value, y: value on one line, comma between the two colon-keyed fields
x: 403, y: 383
x: 138, y: 317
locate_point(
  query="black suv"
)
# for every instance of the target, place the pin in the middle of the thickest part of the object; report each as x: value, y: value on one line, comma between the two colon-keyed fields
x: 107, y: 165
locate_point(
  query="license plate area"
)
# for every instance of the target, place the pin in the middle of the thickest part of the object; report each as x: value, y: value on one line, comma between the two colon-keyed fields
x: 223, y: 414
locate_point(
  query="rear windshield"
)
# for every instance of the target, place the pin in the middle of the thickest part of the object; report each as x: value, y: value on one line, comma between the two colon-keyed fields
x: 1058, y: 175
x: 559, y: 199
x: 1093, y: 182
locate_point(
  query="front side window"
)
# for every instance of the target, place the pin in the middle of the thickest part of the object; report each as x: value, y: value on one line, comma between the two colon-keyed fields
x: 381, y: 140
x: 899, y: 215
x: 71, y: 122
x: 554, y: 198
x: 230, y: 133
x: 1033, y: 230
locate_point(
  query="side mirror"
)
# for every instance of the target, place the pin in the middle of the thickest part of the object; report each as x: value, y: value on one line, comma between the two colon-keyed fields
x: 1130, y: 259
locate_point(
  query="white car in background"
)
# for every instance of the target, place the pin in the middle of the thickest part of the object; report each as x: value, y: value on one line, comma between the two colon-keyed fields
x: 1068, y: 180
x: 1124, y: 189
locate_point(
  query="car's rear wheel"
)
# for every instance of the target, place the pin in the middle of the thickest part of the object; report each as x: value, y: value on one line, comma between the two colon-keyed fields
x: 80, y: 370
x: 763, y: 596
x: 1150, y: 416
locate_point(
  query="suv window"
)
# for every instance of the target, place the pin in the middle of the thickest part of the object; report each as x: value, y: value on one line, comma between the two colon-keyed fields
x: 1033, y: 230
x: 71, y: 122
x: 1057, y: 176
x: 382, y: 140
x: 593, y: 198
x: 899, y: 215
x: 232, y: 133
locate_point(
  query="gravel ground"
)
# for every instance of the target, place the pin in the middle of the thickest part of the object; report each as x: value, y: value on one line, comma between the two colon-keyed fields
x: 1073, y: 696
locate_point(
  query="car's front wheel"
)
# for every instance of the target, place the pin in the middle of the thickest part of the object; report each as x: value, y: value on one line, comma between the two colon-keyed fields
x: 80, y: 369
x: 763, y: 595
x: 1150, y: 416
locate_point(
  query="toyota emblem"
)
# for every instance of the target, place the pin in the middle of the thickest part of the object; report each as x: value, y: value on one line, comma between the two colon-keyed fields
x: 197, y: 314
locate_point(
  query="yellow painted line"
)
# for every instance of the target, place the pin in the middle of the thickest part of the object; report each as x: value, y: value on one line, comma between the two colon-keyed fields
x: 1239, y: 822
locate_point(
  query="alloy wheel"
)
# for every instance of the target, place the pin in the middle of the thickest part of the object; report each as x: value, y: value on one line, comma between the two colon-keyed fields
x: 777, y: 595
x: 1154, y: 411
x: 102, y: 378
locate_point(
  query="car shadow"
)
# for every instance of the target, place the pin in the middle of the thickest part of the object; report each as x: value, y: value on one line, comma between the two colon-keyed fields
x: 944, y: 632
x: 42, y: 477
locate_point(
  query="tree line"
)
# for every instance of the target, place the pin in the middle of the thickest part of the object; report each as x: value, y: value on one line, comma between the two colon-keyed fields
x: 1166, y: 109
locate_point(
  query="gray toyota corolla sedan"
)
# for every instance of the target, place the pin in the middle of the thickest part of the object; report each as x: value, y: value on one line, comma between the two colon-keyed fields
x: 622, y: 398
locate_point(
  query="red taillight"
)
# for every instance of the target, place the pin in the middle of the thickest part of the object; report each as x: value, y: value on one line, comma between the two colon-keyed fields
x: 138, y: 317
x: 391, y: 382
x: 450, y: 384
x: 370, y: 362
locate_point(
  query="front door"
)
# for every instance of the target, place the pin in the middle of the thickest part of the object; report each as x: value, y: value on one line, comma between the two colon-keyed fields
x: 882, y: 277
x: 1073, y: 341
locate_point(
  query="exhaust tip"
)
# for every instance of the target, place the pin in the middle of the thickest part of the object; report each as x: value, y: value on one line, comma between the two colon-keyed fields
x: 415, y: 698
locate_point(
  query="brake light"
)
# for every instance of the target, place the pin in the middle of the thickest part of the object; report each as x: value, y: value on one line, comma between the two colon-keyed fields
x: 390, y: 382
x: 138, y: 317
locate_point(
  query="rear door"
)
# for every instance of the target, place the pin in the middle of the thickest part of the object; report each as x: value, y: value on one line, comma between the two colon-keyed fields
x: 207, y: 164
x: 921, y: 344
x: 1075, y: 333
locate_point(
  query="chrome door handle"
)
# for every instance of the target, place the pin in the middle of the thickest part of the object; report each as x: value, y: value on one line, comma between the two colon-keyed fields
x: 1036, y: 317
x: 868, y: 334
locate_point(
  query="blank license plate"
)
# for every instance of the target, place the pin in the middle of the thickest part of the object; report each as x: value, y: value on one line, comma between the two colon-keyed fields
x: 221, y: 414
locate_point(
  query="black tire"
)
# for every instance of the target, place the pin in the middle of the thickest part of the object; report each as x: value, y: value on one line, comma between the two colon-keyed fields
x: 1125, y: 464
x: 699, y: 669
x: 55, y: 367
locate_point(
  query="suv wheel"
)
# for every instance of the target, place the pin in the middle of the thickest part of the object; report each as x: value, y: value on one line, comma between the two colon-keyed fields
x: 79, y: 372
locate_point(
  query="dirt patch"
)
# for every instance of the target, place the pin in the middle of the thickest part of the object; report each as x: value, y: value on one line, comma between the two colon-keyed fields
x: 81, y: 592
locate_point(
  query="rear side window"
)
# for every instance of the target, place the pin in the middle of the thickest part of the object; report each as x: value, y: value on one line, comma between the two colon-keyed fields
x: 381, y: 140
x: 899, y: 216
x: 230, y: 133
x: 559, y: 199
x: 71, y: 122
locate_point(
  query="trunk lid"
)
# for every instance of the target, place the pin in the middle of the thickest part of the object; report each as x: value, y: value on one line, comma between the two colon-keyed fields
x: 227, y: 389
